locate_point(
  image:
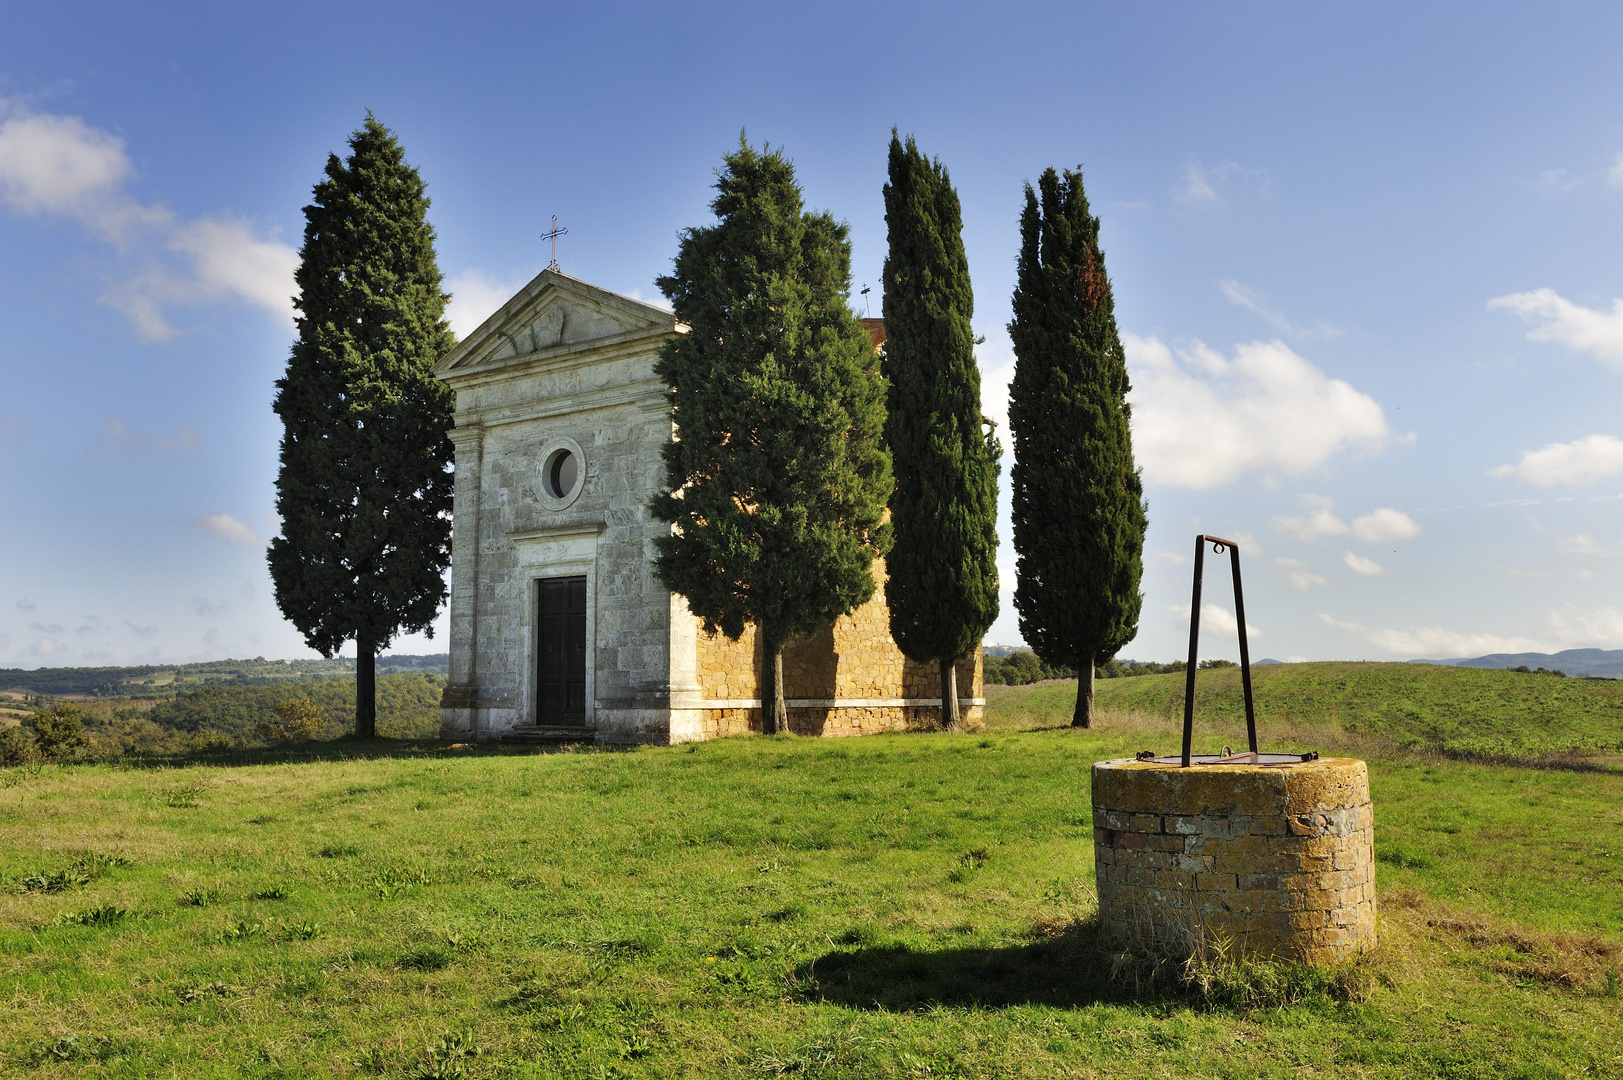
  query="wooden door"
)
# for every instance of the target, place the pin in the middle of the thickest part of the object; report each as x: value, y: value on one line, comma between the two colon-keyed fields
x: 561, y: 651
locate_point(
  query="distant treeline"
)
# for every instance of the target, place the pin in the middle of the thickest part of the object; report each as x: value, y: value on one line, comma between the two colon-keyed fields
x: 1021, y: 666
x: 224, y: 717
x: 161, y: 680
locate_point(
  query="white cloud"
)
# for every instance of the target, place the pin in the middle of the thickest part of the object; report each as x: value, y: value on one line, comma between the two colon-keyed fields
x: 1360, y: 565
x: 1319, y: 522
x: 475, y: 296
x: 1215, y: 618
x: 1614, y: 175
x: 1195, y: 187
x: 229, y: 258
x: 1584, y: 544
x: 1599, y: 333
x: 1198, y: 185
x: 1602, y: 629
x: 1379, y: 526
x: 1567, y: 629
x: 1242, y: 295
x: 119, y: 436
x: 1248, y: 544
x: 1384, y: 525
x: 1559, y: 180
x: 1173, y: 558
x: 231, y: 530
x: 1434, y: 642
x: 653, y: 299
x: 61, y: 166
x: 1201, y: 420
x: 1300, y: 577
x: 1583, y: 461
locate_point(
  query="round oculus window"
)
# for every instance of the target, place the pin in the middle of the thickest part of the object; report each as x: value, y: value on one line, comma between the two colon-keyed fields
x: 562, y: 473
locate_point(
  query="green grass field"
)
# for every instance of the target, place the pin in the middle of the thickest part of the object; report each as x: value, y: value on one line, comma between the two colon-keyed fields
x: 1461, y: 711
x: 911, y: 905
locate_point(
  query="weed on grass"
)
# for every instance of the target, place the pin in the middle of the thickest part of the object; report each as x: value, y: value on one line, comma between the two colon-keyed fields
x: 969, y: 864
x: 271, y: 892
x: 201, y: 896
x: 394, y: 879
x: 55, y: 882
x: 184, y: 798
x: 240, y: 931
x: 370, y: 1059
x: 64, y: 1048
x: 447, y: 1057
x: 77, y: 874
x: 101, y: 915
x: 191, y: 993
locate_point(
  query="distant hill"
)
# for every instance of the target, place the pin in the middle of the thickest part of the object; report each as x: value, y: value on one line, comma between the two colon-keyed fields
x: 162, y: 680
x: 1596, y: 663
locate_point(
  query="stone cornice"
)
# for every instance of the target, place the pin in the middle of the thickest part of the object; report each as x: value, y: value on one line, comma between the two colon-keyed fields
x: 646, y: 394
x: 558, y: 358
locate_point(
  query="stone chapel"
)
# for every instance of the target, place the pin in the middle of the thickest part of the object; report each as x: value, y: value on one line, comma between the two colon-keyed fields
x: 559, y: 626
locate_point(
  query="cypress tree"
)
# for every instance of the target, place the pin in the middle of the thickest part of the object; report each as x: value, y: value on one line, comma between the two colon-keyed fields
x: 364, y: 490
x: 1078, y: 500
x: 942, y: 590
x: 778, y: 473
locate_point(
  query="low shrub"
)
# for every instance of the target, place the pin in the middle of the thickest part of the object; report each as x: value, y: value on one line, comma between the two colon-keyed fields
x: 58, y: 731
x: 297, y: 720
x: 16, y: 748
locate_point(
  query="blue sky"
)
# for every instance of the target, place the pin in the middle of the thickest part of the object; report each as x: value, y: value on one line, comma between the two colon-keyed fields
x: 1366, y: 260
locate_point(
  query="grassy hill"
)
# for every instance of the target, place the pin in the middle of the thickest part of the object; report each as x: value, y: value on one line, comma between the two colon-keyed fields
x: 898, y: 906
x: 165, y: 679
x: 1456, y: 710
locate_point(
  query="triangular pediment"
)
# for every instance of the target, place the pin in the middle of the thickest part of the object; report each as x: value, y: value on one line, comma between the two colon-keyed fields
x: 555, y: 315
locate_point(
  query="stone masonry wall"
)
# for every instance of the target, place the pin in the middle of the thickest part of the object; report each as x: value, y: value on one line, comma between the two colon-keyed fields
x: 1278, y: 859
x: 854, y: 660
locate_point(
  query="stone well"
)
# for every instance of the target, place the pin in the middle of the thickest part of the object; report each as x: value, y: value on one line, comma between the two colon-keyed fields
x: 1276, y: 858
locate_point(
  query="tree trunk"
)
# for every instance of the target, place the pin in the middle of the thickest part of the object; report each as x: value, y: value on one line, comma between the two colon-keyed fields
x: 950, y: 720
x: 774, y: 714
x: 366, y: 690
x: 1084, y: 696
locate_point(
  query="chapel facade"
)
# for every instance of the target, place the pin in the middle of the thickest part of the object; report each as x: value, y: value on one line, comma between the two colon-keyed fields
x: 559, y: 625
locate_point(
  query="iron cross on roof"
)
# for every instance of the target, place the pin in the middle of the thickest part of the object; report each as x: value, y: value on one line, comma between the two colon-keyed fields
x: 553, y: 236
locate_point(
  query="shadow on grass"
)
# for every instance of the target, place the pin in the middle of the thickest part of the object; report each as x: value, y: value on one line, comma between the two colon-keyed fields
x: 1063, y: 970
x: 349, y: 748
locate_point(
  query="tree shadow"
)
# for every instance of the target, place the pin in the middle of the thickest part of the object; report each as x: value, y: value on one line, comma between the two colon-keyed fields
x: 347, y: 748
x: 1065, y: 968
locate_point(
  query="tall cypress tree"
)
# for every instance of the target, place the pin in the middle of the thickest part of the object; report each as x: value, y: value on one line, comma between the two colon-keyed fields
x: 942, y: 590
x: 364, y: 490
x: 1078, y: 500
x: 778, y: 473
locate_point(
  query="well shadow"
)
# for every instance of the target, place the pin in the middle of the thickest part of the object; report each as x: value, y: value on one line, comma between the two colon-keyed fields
x: 1065, y: 970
